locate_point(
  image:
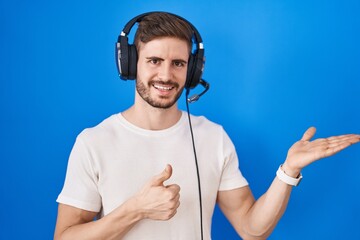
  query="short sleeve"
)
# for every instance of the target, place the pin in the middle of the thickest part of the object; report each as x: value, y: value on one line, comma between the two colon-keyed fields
x: 231, y: 175
x: 80, y: 188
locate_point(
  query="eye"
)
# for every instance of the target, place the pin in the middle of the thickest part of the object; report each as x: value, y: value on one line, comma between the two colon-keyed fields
x: 154, y: 61
x: 179, y: 63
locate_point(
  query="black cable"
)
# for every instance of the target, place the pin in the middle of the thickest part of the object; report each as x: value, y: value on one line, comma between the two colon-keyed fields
x: 196, y: 163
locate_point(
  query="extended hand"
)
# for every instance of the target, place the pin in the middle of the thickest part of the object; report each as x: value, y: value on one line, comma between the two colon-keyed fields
x: 304, y: 152
x: 157, y: 201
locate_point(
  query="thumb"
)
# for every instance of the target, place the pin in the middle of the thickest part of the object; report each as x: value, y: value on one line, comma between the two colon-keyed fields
x: 163, y: 176
x: 309, y: 133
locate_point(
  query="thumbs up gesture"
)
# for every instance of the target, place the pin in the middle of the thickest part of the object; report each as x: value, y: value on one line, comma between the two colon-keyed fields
x: 158, y: 201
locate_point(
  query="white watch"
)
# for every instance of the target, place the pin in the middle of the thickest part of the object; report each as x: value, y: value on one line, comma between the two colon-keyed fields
x: 287, y: 179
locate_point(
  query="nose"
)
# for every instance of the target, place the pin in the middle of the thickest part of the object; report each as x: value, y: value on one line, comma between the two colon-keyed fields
x: 165, y: 72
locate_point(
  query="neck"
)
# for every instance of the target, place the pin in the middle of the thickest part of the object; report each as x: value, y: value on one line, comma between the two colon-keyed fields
x: 148, y: 117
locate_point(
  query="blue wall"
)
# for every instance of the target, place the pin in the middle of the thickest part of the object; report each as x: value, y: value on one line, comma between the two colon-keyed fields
x: 275, y: 68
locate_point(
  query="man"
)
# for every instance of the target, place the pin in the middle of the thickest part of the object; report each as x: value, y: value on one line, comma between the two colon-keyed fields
x: 135, y: 171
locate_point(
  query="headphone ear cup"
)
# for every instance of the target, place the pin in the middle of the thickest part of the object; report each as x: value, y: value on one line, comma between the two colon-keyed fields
x: 190, y: 71
x: 198, y: 70
x: 195, y: 70
x: 132, y: 64
x: 122, y: 57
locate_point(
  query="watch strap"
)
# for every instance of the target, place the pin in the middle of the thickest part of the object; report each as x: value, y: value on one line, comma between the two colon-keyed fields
x: 287, y: 179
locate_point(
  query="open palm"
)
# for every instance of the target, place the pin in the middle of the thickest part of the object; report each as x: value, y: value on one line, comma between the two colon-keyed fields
x: 304, y: 152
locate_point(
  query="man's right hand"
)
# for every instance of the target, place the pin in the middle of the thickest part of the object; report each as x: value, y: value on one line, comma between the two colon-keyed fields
x: 158, y: 201
x: 155, y: 201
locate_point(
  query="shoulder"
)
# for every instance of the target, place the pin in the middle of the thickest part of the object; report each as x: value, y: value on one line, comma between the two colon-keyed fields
x: 211, y: 130
x: 105, y: 128
x: 203, y: 124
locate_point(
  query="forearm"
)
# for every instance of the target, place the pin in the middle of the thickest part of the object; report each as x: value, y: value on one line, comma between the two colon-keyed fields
x: 112, y: 226
x: 269, y: 208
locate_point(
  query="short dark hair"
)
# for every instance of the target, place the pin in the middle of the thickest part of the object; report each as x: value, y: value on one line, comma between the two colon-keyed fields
x: 161, y: 24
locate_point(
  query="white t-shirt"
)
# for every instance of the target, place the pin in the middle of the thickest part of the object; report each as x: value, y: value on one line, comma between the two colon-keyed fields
x: 111, y: 162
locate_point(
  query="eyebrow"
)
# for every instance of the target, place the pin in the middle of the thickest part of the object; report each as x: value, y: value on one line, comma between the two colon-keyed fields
x: 161, y: 59
x: 179, y: 60
x: 157, y: 58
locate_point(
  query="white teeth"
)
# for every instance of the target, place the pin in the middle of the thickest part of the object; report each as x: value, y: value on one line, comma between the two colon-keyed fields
x: 162, y: 87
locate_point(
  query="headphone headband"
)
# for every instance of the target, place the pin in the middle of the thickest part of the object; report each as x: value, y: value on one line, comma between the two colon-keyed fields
x: 138, y: 18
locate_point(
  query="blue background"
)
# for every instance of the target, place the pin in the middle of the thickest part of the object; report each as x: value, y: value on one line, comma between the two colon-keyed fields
x: 275, y: 68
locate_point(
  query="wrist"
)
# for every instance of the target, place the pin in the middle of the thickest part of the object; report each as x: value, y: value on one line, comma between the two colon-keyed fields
x: 289, y: 180
x: 133, y: 206
x: 290, y: 171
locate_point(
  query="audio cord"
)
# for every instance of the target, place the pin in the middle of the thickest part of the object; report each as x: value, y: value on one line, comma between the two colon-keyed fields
x: 196, y: 163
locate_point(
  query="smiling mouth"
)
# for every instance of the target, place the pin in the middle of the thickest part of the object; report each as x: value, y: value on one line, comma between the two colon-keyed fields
x: 163, y: 87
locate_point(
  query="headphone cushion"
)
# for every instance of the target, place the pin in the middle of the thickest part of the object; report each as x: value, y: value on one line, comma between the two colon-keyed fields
x: 190, y: 72
x: 197, y: 71
x: 124, y: 58
x: 132, y: 62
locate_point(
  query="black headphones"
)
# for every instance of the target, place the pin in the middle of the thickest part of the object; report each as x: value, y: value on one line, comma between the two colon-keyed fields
x: 126, y: 54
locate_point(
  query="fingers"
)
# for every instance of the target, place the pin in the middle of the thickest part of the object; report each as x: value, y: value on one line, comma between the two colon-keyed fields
x: 309, y: 133
x: 159, y: 179
x: 347, y: 140
x: 352, y: 138
x: 337, y: 140
x: 173, y: 202
x: 330, y: 146
x: 174, y: 189
x: 174, y: 196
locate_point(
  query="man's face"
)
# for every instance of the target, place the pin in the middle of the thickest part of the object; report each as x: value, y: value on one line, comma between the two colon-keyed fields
x: 161, y: 71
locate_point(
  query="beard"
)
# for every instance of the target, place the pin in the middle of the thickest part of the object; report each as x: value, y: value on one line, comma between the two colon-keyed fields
x: 164, y: 102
